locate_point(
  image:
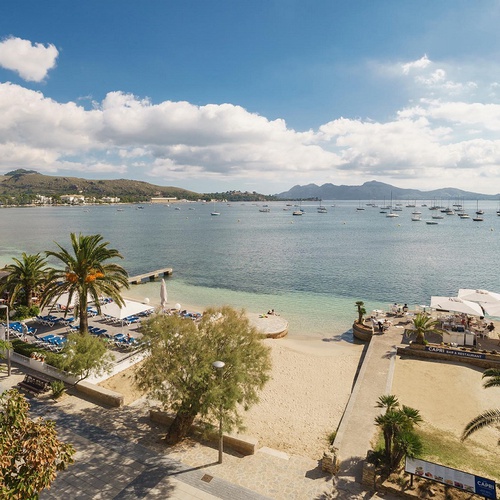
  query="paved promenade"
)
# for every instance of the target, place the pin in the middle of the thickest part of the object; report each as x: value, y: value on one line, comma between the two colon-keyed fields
x: 357, y: 429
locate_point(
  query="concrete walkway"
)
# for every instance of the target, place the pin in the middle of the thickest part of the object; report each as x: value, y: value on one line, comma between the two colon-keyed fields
x: 107, y: 466
x: 357, y: 429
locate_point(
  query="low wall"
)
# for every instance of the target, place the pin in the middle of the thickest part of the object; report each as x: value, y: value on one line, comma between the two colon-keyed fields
x: 42, y: 367
x: 94, y: 392
x: 245, y: 445
x: 458, y: 355
x: 100, y: 394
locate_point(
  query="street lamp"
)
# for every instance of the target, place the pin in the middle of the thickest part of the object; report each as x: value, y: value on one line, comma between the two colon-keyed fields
x: 219, y: 366
x: 7, y: 337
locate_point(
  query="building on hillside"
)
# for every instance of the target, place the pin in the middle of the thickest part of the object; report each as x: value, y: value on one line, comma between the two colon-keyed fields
x: 73, y: 199
x: 110, y: 199
x: 43, y: 200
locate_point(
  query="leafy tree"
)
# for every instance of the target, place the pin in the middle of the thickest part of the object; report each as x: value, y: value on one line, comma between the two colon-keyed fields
x: 361, y: 311
x: 179, y: 371
x: 82, y: 356
x: 4, y: 346
x: 397, y: 424
x: 489, y: 417
x: 86, y: 275
x: 25, y: 277
x: 423, y: 325
x: 30, y: 452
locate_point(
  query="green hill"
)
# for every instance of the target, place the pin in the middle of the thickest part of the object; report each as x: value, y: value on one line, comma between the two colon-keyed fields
x: 30, y: 183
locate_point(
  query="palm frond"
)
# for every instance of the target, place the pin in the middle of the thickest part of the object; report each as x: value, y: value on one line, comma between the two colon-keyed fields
x: 485, y: 419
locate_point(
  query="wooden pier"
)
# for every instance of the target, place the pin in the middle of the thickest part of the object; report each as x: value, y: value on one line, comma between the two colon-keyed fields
x: 152, y: 275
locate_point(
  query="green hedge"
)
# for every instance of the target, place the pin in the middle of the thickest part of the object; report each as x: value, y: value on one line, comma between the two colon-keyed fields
x: 26, y: 349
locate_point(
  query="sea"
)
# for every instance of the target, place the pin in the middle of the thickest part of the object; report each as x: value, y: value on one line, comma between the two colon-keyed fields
x: 310, y: 269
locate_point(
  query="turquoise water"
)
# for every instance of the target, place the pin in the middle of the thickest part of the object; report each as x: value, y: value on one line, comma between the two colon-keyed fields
x: 310, y: 269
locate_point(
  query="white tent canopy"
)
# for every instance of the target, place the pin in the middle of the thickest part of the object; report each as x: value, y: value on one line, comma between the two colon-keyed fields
x: 481, y: 296
x: 456, y: 304
x: 131, y: 308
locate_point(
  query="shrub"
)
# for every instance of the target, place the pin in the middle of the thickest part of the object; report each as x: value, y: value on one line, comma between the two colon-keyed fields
x: 23, y: 312
x: 58, y: 388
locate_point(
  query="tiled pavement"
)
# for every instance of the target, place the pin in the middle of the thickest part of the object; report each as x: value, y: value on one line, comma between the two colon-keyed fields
x: 109, y: 467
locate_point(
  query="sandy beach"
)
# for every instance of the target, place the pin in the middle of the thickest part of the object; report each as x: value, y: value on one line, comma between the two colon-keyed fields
x: 305, y: 399
x: 311, y: 382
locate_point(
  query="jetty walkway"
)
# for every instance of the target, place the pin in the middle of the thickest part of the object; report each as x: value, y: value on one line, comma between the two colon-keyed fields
x: 357, y: 429
x: 151, y: 276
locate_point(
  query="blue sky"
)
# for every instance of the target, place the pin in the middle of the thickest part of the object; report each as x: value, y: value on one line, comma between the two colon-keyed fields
x: 253, y: 95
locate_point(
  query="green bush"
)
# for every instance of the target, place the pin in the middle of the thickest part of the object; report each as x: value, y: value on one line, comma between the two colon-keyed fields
x: 23, y: 312
x: 27, y: 349
x: 58, y: 388
x: 24, y: 348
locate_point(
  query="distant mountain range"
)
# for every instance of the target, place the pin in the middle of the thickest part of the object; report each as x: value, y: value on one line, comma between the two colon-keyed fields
x: 28, y: 183
x: 374, y: 190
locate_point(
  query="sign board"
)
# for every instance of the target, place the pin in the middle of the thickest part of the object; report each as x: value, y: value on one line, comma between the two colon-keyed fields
x: 452, y: 477
x: 454, y: 352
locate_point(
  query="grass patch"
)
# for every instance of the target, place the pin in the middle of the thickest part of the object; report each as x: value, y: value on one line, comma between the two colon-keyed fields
x: 470, y: 456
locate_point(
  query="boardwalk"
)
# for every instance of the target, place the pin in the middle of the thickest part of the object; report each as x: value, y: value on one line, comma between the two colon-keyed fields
x: 151, y: 276
x: 357, y: 429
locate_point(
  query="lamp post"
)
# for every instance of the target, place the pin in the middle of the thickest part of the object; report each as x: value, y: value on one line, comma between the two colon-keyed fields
x: 7, y: 337
x: 219, y: 366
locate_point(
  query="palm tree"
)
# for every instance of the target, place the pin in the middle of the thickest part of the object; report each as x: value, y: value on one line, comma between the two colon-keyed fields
x: 397, y: 425
x: 361, y: 311
x: 424, y: 324
x: 86, y: 275
x: 25, y: 277
x: 489, y: 417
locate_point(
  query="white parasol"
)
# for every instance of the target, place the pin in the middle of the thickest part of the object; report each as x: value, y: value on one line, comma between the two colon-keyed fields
x: 131, y: 308
x: 481, y: 296
x: 456, y: 304
x: 163, y: 294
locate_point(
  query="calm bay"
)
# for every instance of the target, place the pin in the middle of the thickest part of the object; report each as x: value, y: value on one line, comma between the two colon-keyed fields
x: 311, y: 269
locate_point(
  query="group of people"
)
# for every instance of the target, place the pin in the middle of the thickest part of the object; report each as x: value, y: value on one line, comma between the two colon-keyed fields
x: 382, y: 326
x: 397, y: 310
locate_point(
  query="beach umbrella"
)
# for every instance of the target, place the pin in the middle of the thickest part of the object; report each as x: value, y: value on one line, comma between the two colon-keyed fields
x: 481, y: 296
x: 456, y: 304
x: 163, y: 294
x: 130, y: 308
x: 491, y: 308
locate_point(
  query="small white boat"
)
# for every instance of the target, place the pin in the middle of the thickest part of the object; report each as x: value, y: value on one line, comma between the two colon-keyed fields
x: 264, y: 209
x: 297, y: 212
x: 416, y: 218
x: 214, y: 212
x: 392, y: 215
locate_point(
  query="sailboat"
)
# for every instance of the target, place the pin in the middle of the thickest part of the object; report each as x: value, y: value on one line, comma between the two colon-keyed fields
x: 479, y: 213
x: 322, y: 209
x: 214, y: 212
x: 391, y: 214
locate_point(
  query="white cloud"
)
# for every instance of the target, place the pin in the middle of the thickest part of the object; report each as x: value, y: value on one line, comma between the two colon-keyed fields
x: 421, y: 63
x: 433, y: 142
x: 31, y: 61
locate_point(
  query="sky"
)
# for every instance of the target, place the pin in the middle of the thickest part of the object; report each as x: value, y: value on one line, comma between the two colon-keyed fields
x: 253, y: 95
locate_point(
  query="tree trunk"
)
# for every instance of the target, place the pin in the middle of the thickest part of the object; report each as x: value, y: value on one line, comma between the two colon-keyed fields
x: 181, y: 425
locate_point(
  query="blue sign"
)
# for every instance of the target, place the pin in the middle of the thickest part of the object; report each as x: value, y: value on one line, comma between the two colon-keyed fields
x: 485, y: 487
